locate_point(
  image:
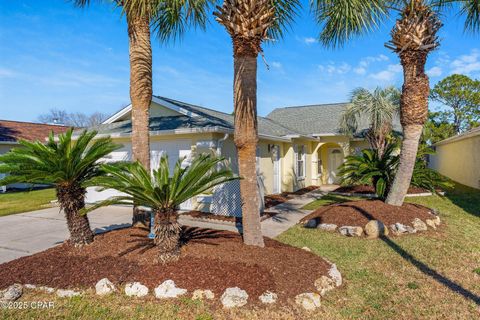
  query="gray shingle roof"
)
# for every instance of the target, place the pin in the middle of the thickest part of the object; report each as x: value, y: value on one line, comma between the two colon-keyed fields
x: 317, y: 119
x: 265, y: 126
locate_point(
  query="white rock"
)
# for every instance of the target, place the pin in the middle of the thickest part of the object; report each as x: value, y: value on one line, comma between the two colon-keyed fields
x: 419, y: 225
x: 30, y: 286
x: 335, y: 275
x: 234, y: 297
x: 431, y: 223
x: 67, y: 293
x: 312, y: 223
x: 104, y: 286
x: 168, y: 290
x: 375, y: 229
x: 309, y: 301
x: 268, y: 297
x: 47, y: 289
x: 399, y: 229
x: 324, y: 284
x: 136, y: 289
x: 437, y: 220
x: 12, y: 293
x: 307, y: 249
x: 327, y: 227
x: 203, y: 294
x: 351, y: 231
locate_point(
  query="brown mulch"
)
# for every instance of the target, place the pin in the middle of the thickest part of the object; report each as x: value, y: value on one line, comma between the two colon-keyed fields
x: 210, y: 259
x: 275, y: 199
x: 365, y: 189
x: 359, y: 213
x: 207, y: 215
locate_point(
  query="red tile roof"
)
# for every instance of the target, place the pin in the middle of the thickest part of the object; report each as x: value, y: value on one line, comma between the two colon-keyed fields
x: 12, y: 131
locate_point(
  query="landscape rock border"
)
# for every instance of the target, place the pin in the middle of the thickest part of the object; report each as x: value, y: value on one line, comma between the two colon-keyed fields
x: 375, y: 228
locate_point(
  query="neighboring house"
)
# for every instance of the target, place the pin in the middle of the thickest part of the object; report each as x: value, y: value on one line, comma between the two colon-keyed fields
x: 13, y: 131
x: 298, y: 146
x: 458, y: 158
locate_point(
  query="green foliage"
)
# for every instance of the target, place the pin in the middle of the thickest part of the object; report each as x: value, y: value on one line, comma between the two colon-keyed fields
x: 413, y: 285
x: 62, y: 162
x: 160, y: 190
x: 371, y: 168
x: 462, y: 96
x: 169, y: 18
x: 342, y: 20
x: 285, y: 13
x: 436, y: 129
x: 477, y: 271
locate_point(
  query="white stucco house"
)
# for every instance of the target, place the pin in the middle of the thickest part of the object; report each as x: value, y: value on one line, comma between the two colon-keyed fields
x: 298, y: 147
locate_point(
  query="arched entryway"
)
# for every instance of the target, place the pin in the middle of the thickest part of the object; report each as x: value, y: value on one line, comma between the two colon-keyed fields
x: 331, y: 156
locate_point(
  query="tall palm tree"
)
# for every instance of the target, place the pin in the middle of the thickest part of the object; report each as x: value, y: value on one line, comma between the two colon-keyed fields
x: 250, y: 23
x: 163, y: 191
x: 378, y: 108
x: 68, y: 165
x: 169, y: 19
x: 413, y: 37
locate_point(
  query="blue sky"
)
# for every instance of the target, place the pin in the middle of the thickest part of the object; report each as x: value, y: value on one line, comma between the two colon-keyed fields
x: 53, y: 55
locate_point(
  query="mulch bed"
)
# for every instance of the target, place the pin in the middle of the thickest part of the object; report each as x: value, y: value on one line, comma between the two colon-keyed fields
x: 210, y: 259
x: 365, y: 189
x: 359, y: 213
x: 275, y: 199
x: 207, y: 215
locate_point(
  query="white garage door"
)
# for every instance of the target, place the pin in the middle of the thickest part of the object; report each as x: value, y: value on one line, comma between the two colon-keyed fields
x: 175, y: 149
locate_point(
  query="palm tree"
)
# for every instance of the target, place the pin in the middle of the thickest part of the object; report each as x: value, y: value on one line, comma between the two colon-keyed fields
x: 413, y: 37
x: 249, y: 23
x: 68, y: 165
x: 169, y: 19
x: 163, y: 192
x: 378, y: 108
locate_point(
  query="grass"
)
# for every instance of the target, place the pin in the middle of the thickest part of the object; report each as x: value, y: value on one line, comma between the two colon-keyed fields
x: 329, y: 199
x: 424, y: 276
x: 16, y: 202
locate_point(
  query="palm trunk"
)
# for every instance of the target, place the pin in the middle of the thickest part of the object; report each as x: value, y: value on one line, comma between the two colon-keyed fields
x: 141, y: 96
x: 246, y: 136
x: 72, y: 200
x: 167, y: 232
x: 414, y: 112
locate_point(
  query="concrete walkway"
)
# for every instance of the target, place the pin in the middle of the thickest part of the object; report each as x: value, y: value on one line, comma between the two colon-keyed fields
x: 290, y: 213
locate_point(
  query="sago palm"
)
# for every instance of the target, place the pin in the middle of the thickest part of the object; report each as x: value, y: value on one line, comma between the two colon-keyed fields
x: 163, y: 191
x: 413, y: 37
x: 372, y: 168
x: 169, y: 19
x: 67, y: 164
x: 250, y: 23
x: 378, y: 108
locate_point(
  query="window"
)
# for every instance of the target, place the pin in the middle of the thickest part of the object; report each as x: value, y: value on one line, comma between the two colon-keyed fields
x: 300, y: 161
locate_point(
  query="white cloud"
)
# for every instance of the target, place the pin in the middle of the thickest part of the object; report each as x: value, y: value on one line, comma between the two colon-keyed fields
x: 333, y: 68
x: 434, y: 72
x: 467, y: 63
x: 360, y: 70
x: 389, y: 74
x: 276, y: 65
x: 309, y: 40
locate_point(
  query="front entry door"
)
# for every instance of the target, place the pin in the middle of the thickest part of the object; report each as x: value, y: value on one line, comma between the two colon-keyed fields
x: 276, y: 169
x: 335, y: 159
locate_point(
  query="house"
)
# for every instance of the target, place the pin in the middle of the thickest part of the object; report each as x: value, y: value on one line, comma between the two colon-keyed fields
x: 13, y: 131
x: 298, y: 146
x: 458, y: 158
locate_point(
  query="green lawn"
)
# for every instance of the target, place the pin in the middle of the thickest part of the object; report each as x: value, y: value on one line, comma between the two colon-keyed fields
x: 426, y: 276
x: 16, y: 202
x: 329, y: 199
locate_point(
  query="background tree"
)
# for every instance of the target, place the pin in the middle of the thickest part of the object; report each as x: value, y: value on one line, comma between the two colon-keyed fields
x: 67, y: 164
x: 250, y: 23
x: 163, y: 191
x: 74, y: 119
x: 413, y: 37
x: 461, y: 95
x: 169, y: 19
x: 378, y: 108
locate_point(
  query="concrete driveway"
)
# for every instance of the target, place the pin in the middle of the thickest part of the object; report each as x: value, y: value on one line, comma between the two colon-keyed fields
x: 27, y: 233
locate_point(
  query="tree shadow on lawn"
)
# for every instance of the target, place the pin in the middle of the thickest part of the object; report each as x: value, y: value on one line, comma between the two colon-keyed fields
x: 466, y: 198
x: 432, y: 273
